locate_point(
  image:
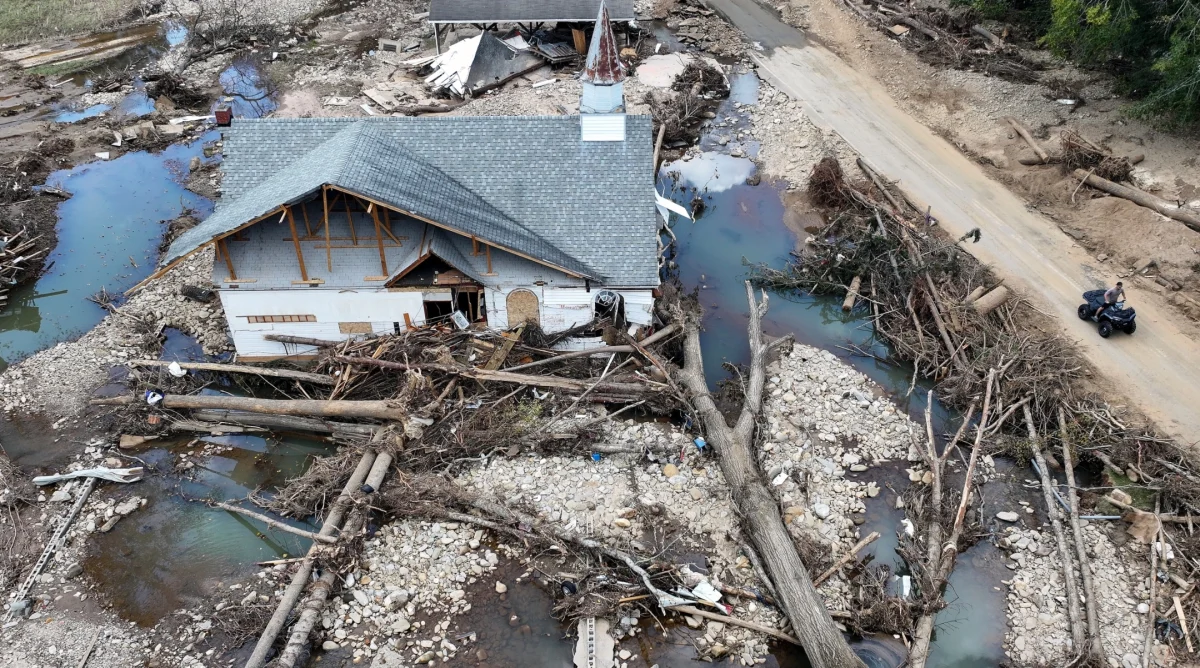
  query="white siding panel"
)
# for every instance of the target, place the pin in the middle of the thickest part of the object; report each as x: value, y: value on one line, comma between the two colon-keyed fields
x: 639, y: 306
x: 564, y: 308
x: 603, y: 127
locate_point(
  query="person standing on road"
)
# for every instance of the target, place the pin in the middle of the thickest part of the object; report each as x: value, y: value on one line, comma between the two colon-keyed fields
x: 1112, y: 296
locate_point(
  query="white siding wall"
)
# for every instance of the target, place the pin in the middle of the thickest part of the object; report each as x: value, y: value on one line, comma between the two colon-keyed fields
x: 330, y: 307
x: 602, y: 127
x: 563, y: 308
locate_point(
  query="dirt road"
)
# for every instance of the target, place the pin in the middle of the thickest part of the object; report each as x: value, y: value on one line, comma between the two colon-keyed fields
x: 1157, y: 369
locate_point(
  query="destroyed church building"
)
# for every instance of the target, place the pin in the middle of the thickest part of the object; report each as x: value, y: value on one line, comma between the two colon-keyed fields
x: 331, y: 228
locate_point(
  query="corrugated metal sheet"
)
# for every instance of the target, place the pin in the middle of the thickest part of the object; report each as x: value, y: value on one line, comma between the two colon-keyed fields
x: 603, y: 65
x: 602, y: 127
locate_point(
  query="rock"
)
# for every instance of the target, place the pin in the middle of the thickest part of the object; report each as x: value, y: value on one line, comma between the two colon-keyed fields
x: 872, y: 490
x: 401, y: 625
x: 501, y: 587
x: 1007, y: 516
x: 128, y: 506
x: 670, y: 471
x: 249, y: 598
x: 330, y: 646
x: 927, y: 478
x: 73, y: 571
x: 692, y: 621
x: 858, y: 468
x: 1143, y: 608
x: 1020, y: 643
x: 624, y: 654
x: 1121, y: 496
x: 194, y: 164
x: 361, y: 597
x: 425, y: 658
x: 821, y: 510
x: 621, y: 522
x: 696, y: 494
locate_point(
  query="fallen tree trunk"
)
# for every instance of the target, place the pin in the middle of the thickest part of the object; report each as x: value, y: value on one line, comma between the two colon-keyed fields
x: 852, y: 294
x: 310, y: 611
x: 988, y: 35
x: 798, y: 599
x: 1052, y: 510
x: 1138, y: 197
x: 1021, y: 130
x: 284, y: 422
x: 1095, y: 645
x: 315, y: 378
x: 379, y: 410
x: 300, y: 579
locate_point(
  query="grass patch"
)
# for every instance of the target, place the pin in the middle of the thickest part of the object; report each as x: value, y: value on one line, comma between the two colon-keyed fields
x: 24, y: 20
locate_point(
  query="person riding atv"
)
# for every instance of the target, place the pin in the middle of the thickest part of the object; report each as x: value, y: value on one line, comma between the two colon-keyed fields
x: 1107, y: 307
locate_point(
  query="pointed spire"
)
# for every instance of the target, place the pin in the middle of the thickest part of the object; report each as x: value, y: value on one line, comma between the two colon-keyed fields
x: 603, y: 66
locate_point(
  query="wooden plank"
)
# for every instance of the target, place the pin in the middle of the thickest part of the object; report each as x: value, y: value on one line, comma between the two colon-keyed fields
x: 328, y: 248
x: 310, y: 281
x: 408, y: 321
x: 489, y: 261
x: 223, y: 249
x: 296, y: 240
x: 379, y: 239
x: 350, y: 220
x: 501, y: 353
x: 307, y: 226
x: 240, y: 280
x: 375, y: 278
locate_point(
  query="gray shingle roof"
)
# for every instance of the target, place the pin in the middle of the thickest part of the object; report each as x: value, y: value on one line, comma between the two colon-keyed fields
x: 524, y: 11
x: 528, y: 183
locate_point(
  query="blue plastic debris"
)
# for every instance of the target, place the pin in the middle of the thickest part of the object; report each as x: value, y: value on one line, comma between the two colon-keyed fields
x: 700, y: 443
x: 595, y: 456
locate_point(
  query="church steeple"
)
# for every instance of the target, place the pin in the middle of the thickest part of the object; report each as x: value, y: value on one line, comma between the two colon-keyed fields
x: 602, y: 104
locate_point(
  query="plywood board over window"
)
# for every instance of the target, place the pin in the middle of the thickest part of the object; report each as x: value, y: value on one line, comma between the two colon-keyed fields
x: 354, y: 327
x: 523, y: 308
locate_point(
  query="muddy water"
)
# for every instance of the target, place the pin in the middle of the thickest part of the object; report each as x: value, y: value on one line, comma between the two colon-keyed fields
x: 108, y: 237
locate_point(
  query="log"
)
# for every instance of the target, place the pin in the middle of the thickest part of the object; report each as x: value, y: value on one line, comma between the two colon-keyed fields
x: 975, y: 294
x: 379, y: 410
x: 846, y: 558
x: 285, y: 423
x: 310, y: 612
x: 1037, y: 161
x: 1140, y: 198
x: 301, y: 340
x: 1095, y: 645
x: 276, y: 524
x: 315, y: 378
x: 988, y: 35
x: 300, y: 579
x: 1135, y: 159
x: 1024, y: 132
x: 991, y: 301
x: 878, y: 181
x: 1078, y: 637
x: 852, y: 294
x: 823, y: 643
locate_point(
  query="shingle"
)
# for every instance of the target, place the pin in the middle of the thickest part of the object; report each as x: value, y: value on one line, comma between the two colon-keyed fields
x: 524, y: 11
x: 593, y: 201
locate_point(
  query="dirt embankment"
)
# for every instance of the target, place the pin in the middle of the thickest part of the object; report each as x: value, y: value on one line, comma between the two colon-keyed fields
x: 969, y: 109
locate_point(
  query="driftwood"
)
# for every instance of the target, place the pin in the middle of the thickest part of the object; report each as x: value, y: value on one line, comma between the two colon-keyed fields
x: 284, y: 422
x: 991, y: 301
x: 276, y: 524
x: 988, y: 35
x: 762, y: 522
x: 315, y: 378
x: 852, y: 294
x: 301, y: 340
x: 1078, y: 637
x: 1140, y: 198
x: 766, y: 630
x: 879, y: 184
x: 379, y: 410
x: 846, y: 558
x: 310, y: 611
x: 292, y: 594
x: 1095, y: 645
x: 1024, y: 132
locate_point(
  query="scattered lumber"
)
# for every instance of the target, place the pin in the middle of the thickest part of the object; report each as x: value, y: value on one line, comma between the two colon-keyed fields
x: 315, y: 378
x: 378, y: 410
x: 852, y: 293
x: 1024, y: 132
x: 765, y: 630
x: 823, y: 642
x: 603, y: 350
x: 1141, y: 198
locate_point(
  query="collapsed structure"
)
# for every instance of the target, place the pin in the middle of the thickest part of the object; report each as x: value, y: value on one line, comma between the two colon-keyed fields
x: 330, y: 228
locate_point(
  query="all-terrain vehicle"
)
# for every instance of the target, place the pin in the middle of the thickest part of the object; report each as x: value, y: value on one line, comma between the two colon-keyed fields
x: 1116, y: 316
